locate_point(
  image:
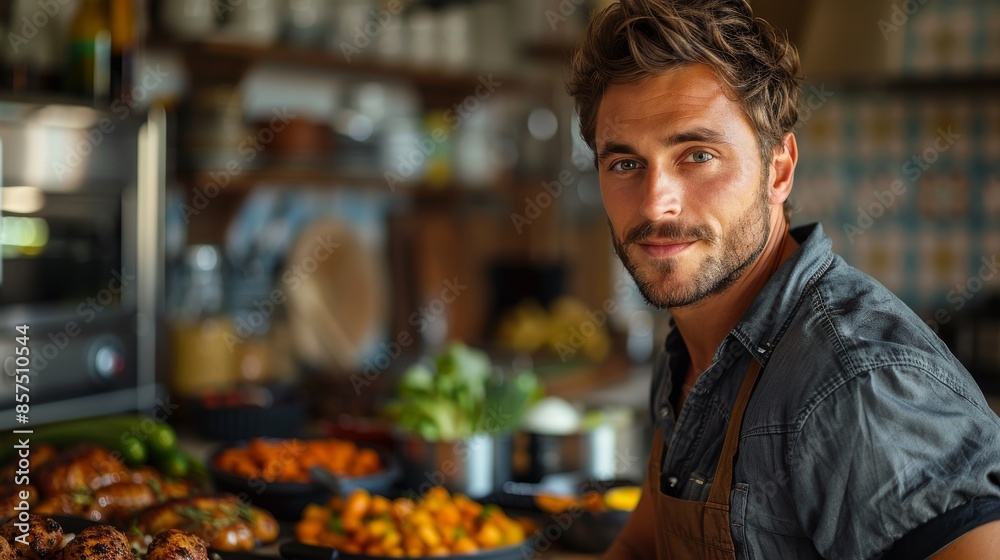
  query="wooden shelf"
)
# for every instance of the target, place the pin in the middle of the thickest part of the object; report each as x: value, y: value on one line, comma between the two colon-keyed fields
x: 250, y: 178
x: 216, y: 61
x: 237, y: 185
x: 939, y: 84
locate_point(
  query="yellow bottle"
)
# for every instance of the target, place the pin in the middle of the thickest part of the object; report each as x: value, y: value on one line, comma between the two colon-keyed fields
x: 123, y: 45
x: 90, y: 51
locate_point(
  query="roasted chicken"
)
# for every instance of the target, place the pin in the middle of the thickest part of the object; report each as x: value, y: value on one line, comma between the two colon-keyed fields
x: 223, y: 521
x: 44, y: 537
x: 41, y: 453
x: 100, y: 542
x: 80, y: 469
x: 174, y: 544
x: 115, y: 504
x: 10, y: 496
x: 97, y: 542
x: 89, y: 482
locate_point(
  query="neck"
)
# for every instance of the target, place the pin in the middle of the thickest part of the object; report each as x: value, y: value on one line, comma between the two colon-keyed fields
x: 706, y: 323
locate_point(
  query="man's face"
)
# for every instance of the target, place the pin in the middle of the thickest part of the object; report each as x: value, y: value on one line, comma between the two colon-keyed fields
x: 682, y: 183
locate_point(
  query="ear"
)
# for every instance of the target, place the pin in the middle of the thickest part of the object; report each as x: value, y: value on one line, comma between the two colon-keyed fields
x: 782, y: 170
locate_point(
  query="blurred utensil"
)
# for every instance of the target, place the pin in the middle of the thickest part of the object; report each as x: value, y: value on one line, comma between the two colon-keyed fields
x: 327, y: 480
x: 333, y: 288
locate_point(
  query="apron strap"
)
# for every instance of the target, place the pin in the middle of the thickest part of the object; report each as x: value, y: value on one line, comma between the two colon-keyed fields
x: 719, y: 494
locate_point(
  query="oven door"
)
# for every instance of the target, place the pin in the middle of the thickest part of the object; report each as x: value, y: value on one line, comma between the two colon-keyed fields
x: 71, y: 253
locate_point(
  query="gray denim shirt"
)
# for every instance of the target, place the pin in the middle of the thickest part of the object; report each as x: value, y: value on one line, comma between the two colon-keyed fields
x: 864, y: 438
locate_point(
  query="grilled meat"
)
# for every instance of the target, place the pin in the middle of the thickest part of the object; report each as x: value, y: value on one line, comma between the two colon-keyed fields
x: 100, y: 542
x: 174, y: 544
x: 265, y: 526
x: 144, y: 475
x: 6, y: 552
x: 10, y: 496
x: 80, y: 469
x: 115, y: 504
x: 41, y: 453
x: 45, y: 538
x: 63, y: 504
x: 223, y: 521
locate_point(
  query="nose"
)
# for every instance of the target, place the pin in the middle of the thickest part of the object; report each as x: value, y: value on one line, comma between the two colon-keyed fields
x: 662, y: 195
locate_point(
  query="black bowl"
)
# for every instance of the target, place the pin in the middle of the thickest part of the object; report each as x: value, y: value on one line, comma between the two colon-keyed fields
x: 295, y: 550
x: 578, y: 530
x: 286, y: 500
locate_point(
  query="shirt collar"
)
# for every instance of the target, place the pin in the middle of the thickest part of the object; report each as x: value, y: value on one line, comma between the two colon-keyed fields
x: 762, y: 326
x: 764, y: 323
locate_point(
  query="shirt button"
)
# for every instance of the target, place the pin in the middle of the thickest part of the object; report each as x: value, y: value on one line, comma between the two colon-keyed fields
x: 672, y: 481
x: 665, y: 413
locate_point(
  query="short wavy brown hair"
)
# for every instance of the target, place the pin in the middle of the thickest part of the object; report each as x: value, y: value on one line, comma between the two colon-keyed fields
x: 634, y: 39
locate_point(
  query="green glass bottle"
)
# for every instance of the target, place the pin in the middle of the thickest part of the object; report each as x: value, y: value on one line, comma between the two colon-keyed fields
x: 90, y: 52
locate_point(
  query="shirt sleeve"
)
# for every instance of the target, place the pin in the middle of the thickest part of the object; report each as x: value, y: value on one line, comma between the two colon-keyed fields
x: 890, y: 451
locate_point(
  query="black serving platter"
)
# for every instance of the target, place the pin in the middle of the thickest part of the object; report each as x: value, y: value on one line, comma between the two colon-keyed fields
x: 285, y: 500
x: 295, y: 550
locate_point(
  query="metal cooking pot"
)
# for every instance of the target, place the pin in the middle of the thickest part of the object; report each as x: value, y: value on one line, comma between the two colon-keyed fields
x: 605, y: 452
x: 474, y: 466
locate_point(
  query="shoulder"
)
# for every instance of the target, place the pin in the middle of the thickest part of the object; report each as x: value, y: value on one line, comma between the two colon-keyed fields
x: 850, y: 335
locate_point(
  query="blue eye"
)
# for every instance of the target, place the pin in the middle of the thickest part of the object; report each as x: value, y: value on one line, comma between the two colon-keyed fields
x: 625, y: 165
x: 700, y: 157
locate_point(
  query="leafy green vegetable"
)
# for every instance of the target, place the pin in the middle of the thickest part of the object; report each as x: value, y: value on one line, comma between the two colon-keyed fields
x: 460, y: 395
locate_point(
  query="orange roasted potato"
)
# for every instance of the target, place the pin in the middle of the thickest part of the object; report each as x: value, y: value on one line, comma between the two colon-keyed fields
x: 436, y: 524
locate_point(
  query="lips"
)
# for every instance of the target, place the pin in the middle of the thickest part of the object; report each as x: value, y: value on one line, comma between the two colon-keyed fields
x: 659, y: 249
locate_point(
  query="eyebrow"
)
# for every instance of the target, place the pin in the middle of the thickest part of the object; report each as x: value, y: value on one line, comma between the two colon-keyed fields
x: 699, y: 134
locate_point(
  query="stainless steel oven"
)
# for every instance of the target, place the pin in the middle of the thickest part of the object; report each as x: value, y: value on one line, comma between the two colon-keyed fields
x: 81, y: 200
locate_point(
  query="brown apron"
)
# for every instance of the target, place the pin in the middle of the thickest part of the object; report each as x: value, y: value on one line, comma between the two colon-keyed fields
x: 690, y: 530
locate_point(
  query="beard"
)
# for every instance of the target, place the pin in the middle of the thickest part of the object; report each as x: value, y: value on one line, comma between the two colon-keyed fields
x: 736, y: 250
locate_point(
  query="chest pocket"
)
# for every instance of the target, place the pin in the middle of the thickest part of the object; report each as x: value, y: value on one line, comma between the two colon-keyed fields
x: 696, y: 489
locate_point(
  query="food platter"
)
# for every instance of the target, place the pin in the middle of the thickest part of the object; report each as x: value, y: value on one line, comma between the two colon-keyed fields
x: 285, y: 500
x: 74, y: 525
x: 299, y: 551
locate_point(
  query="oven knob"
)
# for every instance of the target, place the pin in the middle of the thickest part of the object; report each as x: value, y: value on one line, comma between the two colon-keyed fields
x: 108, y: 362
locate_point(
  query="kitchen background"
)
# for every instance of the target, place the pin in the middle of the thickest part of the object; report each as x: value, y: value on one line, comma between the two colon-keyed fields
x: 278, y: 217
x: 325, y: 193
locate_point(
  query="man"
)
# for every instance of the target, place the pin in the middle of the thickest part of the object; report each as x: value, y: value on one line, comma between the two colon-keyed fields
x: 802, y: 410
